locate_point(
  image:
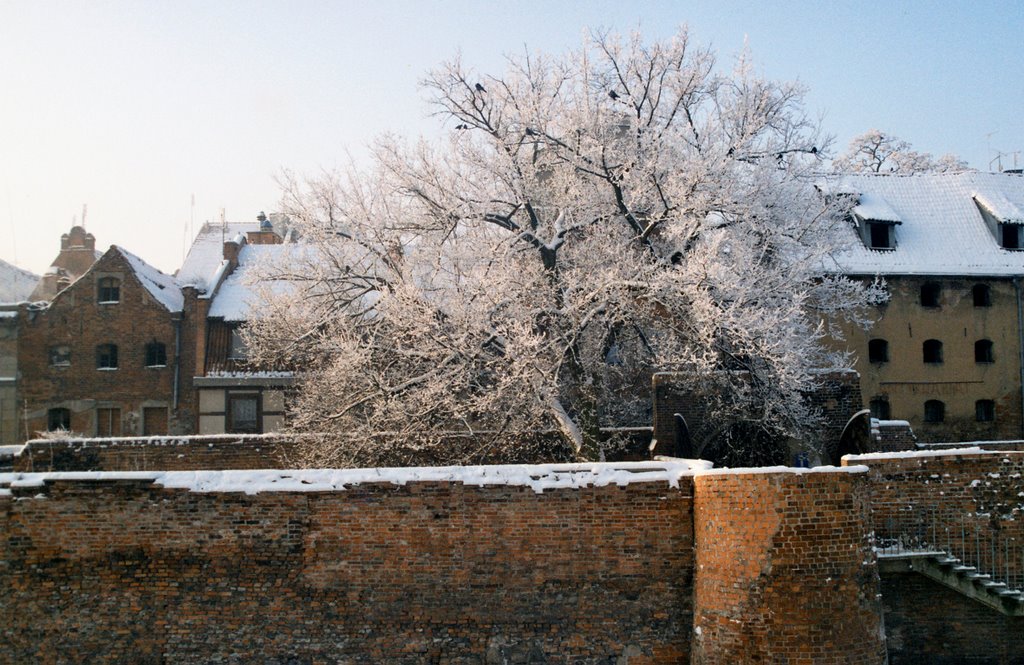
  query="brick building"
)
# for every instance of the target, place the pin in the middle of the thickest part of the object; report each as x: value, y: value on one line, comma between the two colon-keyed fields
x: 109, y: 355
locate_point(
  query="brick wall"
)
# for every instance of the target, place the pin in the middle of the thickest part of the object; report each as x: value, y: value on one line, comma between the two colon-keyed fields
x: 786, y: 573
x: 124, y: 570
x: 927, y: 623
x: 230, y: 451
x: 955, y: 500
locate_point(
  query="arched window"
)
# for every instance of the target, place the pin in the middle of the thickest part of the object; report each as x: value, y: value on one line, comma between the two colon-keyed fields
x: 934, y: 411
x: 58, y: 419
x: 878, y: 351
x: 106, y: 356
x: 982, y: 295
x: 156, y: 354
x: 880, y: 408
x: 983, y: 351
x: 932, y: 351
x: 930, y: 293
x: 109, y: 290
x: 984, y: 410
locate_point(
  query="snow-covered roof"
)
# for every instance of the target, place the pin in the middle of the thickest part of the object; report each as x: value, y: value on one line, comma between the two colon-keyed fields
x: 875, y: 208
x: 16, y: 284
x: 162, y: 287
x: 239, y: 294
x: 207, y: 253
x: 942, y: 231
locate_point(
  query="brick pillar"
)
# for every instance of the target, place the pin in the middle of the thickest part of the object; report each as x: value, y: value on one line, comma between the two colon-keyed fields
x: 785, y: 572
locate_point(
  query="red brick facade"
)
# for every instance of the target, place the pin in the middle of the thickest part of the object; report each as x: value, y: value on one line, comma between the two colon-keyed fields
x: 785, y: 570
x: 62, y: 350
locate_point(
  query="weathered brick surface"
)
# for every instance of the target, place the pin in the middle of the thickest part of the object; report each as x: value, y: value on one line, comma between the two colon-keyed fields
x: 785, y: 571
x: 186, y: 453
x: 125, y: 571
x: 952, y: 502
x: 928, y: 624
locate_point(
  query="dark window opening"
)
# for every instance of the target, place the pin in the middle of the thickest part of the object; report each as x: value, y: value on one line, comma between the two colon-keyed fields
x: 60, y: 356
x: 984, y: 411
x: 932, y: 351
x: 934, y: 411
x: 880, y: 409
x: 878, y: 351
x: 156, y: 354
x: 58, y: 419
x: 109, y: 290
x: 881, y: 236
x: 1011, y: 236
x: 243, y: 415
x: 982, y: 295
x: 983, y: 351
x: 106, y: 356
x: 108, y: 422
x: 930, y: 294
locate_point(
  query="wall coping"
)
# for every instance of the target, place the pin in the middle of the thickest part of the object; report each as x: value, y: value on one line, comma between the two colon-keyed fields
x: 538, y: 477
x: 911, y: 454
x: 780, y: 470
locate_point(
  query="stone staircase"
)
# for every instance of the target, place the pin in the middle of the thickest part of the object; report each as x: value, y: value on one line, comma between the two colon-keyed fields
x: 951, y: 572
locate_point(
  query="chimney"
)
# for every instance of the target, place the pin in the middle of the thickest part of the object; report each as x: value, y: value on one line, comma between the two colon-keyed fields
x: 266, y: 235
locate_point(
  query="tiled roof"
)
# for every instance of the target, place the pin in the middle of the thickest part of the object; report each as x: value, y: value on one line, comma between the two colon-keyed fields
x: 942, y: 230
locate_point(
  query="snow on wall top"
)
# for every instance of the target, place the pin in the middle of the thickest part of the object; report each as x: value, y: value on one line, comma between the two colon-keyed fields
x: 162, y: 287
x: 538, y: 477
x: 942, y: 230
x: 207, y: 252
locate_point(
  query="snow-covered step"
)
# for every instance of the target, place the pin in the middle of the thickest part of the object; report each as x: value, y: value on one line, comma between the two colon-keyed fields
x: 992, y: 585
x: 978, y: 577
x: 946, y: 560
x: 964, y: 569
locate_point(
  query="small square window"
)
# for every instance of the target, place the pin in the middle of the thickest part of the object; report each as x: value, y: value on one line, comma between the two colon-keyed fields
x: 934, y: 411
x: 243, y: 413
x: 109, y: 290
x: 983, y: 351
x: 238, y: 349
x: 106, y: 356
x: 108, y: 422
x: 930, y: 294
x: 878, y: 351
x: 982, y: 295
x: 1010, y: 236
x: 156, y: 354
x: 58, y: 419
x: 984, y: 411
x: 60, y: 356
x: 932, y: 351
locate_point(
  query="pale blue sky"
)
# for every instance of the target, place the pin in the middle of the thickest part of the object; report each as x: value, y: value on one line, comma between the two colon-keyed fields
x: 132, y: 107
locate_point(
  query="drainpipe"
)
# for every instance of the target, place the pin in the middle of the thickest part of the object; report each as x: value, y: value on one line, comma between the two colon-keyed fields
x: 177, y: 354
x: 1020, y: 346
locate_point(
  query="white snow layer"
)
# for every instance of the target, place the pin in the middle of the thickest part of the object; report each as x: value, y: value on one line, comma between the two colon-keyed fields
x: 922, y: 453
x: 876, y: 208
x: 162, y: 287
x: 207, y: 252
x: 943, y: 231
x: 238, y: 297
x: 538, y: 477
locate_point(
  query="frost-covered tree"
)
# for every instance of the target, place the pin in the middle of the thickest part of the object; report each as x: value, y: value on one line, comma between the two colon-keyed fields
x: 588, y: 219
x: 878, y: 152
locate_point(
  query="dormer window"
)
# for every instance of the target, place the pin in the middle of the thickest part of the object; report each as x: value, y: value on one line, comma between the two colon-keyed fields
x: 1010, y: 236
x: 876, y: 221
x: 1004, y: 218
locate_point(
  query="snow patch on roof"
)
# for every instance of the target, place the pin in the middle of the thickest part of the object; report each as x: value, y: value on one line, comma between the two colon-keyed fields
x: 207, y: 253
x: 538, y: 477
x: 162, y: 287
x: 794, y: 470
x: 239, y: 296
x: 1000, y: 205
x: 875, y: 208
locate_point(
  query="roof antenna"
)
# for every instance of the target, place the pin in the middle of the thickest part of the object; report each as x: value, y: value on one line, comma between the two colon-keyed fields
x: 223, y: 227
x: 83, y: 215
